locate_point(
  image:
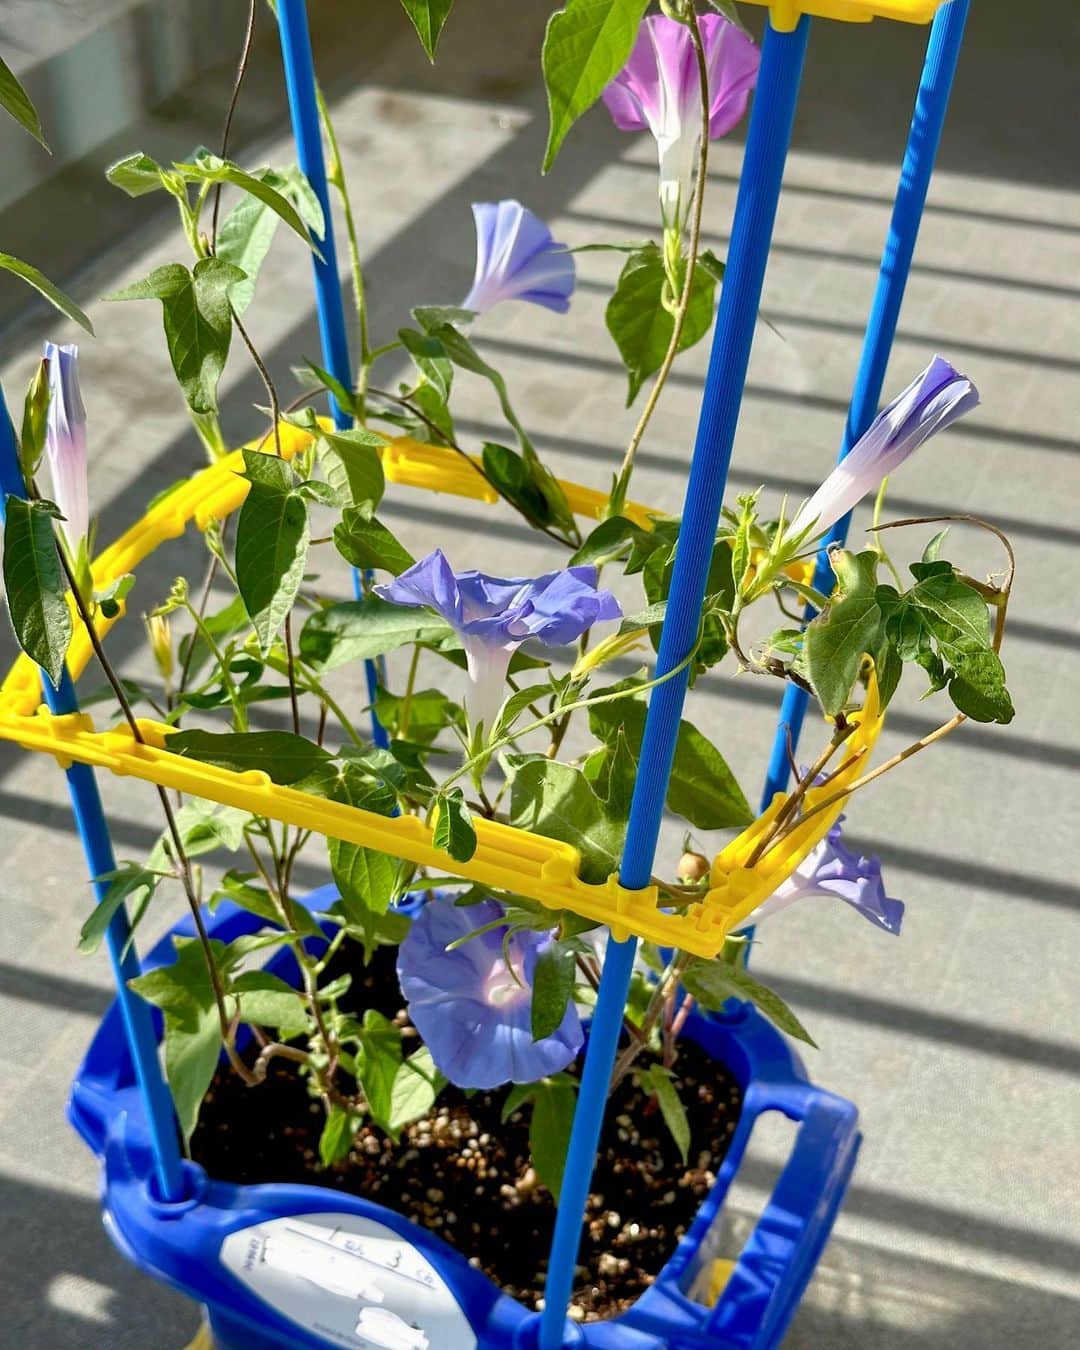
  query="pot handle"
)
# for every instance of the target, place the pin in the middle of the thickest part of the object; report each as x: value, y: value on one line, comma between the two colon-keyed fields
x: 767, y: 1281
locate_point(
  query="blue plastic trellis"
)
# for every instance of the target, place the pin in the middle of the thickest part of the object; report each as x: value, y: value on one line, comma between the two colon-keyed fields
x: 767, y: 140
x: 931, y: 105
x: 93, y: 830
x: 304, y: 112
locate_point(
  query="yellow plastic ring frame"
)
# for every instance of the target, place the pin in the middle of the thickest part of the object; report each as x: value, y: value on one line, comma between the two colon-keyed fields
x: 784, y: 15
x: 508, y: 859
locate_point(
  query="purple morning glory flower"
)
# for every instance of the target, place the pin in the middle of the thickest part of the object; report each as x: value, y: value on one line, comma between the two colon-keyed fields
x: 65, y: 442
x: 832, y: 871
x: 930, y: 403
x: 494, y: 615
x: 659, y: 90
x: 517, y: 259
x: 474, y: 1011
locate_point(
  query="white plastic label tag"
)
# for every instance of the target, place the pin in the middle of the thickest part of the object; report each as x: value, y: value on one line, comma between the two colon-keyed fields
x: 350, y: 1281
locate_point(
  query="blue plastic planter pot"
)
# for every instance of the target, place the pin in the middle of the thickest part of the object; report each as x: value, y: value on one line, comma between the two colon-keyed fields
x: 286, y: 1267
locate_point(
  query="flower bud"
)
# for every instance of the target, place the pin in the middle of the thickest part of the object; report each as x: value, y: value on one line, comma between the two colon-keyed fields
x: 693, y: 868
x: 157, y: 626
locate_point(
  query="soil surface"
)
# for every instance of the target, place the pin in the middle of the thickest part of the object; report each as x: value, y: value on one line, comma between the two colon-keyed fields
x: 466, y: 1176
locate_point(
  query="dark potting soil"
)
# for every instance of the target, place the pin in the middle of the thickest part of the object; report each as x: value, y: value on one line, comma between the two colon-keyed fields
x: 463, y: 1174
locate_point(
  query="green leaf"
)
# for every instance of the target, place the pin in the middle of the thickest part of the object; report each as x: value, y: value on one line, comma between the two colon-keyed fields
x: 337, y: 1136
x: 366, y: 543
x: 586, y: 44
x: 712, y: 983
x: 428, y: 17
x: 454, y: 831
x: 356, y: 630
x: 136, y: 174
x: 268, y: 1001
x: 34, y: 422
x: 350, y: 460
x: 129, y: 880
x: 509, y: 475
x: 845, y: 631
x: 658, y: 1081
x: 609, y: 541
x: 978, y: 686
x: 42, y: 284
x: 244, y: 239
x: 702, y: 789
x: 430, y: 359
x: 197, y: 320
x: 365, y: 878
x: 549, y: 1129
x: 417, y: 1084
x: 245, y: 235
x: 557, y: 800
x: 35, y: 585
x: 213, y: 169
x: 283, y: 757
x: 740, y: 547
x: 237, y: 887
x: 955, y: 603
x: 463, y: 354
x: 380, y: 1061
x: 429, y: 713
x: 715, y: 266
x: 640, y: 324
x: 613, y: 771
x: 271, y: 545
x: 185, y: 995
x: 15, y: 100
x: 553, y: 985
x: 316, y: 378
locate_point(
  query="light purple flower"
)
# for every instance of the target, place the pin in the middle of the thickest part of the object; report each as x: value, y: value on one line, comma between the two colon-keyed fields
x: 832, y: 871
x: 472, y: 1010
x: 494, y: 615
x: 930, y: 403
x: 659, y: 90
x: 517, y: 259
x: 65, y: 442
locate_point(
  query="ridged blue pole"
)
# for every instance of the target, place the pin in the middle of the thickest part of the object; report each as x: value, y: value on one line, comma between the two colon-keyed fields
x: 304, y: 112
x: 768, y: 137
x: 931, y: 105
x: 97, y: 848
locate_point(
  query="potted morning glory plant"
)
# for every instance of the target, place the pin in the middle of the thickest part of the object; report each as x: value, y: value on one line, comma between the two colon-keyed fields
x: 409, y: 1036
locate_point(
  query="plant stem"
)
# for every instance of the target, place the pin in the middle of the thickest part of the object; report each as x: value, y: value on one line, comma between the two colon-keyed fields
x: 477, y: 468
x: 335, y: 174
x: 268, y: 383
x: 241, y: 71
x: 239, y: 711
x: 681, y: 310
x: 290, y: 662
x: 180, y: 858
x: 665, y: 988
x: 470, y: 763
x: 410, y: 684
x: 802, y: 786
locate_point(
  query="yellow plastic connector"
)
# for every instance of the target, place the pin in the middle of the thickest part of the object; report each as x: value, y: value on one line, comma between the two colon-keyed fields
x: 506, y: 859
x: 784, y: 15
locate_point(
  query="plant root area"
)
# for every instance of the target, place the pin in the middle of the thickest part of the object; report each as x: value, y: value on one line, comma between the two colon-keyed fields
x: 465, y: 1175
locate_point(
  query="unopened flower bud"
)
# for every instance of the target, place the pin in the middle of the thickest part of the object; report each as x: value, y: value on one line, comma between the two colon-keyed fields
x: 693, y: 868
x: 161, y: 644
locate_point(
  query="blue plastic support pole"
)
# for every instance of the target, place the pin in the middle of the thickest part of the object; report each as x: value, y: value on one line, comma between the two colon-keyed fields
x: 97, y: 847
x: 768, y: 137
x: 304, y: 112
x: 931, y: 105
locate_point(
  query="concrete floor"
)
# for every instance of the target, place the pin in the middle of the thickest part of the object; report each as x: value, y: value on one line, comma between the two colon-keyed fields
x: 958, y: 1040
